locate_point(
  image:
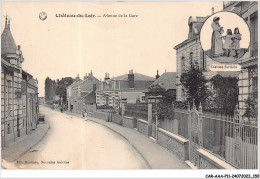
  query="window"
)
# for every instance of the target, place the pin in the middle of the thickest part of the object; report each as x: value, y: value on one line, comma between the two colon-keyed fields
x: 143, y: 98
x: 253, y: 32
x: 191, y: 58
x: 203, y: 64
x: 8, y: 129
x: 254, y: 83
x: 182, y: 64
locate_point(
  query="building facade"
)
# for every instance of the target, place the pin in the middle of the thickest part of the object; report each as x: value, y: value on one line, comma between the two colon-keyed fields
x: 129, y: 87
x: 248, y: 76
x: 30, y: 101
x: 14, y: 110
x: 80, y: 93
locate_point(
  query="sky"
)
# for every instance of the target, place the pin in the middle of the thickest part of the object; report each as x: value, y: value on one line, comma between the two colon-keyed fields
x: 66, y: 46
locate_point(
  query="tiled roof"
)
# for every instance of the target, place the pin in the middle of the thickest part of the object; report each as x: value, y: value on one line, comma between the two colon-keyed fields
x: 138, y: 85
x: 137, y: 77
x: 166, y: 80
x: 8, y: 44
x: 75, y: 83
x: 87, y: 84
x: 90, y: 98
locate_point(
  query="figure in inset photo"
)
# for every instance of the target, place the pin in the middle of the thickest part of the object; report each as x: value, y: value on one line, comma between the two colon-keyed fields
x: 236, y: 41
x: 228, y: 42
x: 216, y: 40
x: 221, y: 37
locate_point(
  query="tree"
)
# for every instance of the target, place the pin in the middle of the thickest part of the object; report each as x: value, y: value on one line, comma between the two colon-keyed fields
x: 251, y: 105
x: 61, y: 90
x: 225, y: 96
x: 194, y: 83
x: 165, y: 106
x: 50, y: 88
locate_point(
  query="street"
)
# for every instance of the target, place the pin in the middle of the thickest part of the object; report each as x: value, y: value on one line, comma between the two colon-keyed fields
x: 74, y: 143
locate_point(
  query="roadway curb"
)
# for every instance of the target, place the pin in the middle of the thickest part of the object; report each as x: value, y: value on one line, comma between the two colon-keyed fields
x: 132, y: 145
x: 33, y: 144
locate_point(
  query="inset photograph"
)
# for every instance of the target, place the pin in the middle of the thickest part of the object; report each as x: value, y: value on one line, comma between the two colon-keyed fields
x: 225, y: 37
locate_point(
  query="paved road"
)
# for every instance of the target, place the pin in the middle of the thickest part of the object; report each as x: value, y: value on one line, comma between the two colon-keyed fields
x: 73, y: 143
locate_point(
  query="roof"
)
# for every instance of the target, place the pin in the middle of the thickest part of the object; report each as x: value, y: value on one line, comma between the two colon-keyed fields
x: 33, y: 82
x: 90, y: 97
x: 8, y: 44
x: 137, y: 77
x: 75, y: 83
x: 87, y: 84
x: 8, y: 65
x: 138, y: 85
x: 196, y: 27
x: 166, y: 80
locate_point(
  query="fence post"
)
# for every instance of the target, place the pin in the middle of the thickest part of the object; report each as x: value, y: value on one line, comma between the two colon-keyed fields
x: 150, y: 118
x: 200, y: 125
x: 123, y: 109
x: 189, y: 128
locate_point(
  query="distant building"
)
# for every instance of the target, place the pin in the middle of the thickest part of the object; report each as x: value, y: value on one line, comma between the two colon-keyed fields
x: 166, y: 81
x: 248, y: 77
x: 128, y: 87
x: 15, y: 106
x: 81, y: 93
x: 30, y: 100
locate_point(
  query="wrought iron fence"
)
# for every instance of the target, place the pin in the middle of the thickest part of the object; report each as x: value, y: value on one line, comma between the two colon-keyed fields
x: 231, y: 140
x: 227, y: 137
x: 182, y: 116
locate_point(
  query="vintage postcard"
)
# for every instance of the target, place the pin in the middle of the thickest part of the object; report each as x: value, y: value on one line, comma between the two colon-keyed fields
x: 129, y: 85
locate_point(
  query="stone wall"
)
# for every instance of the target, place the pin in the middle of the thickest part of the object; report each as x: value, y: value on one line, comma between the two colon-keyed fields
x: 142, y: 127
x: 209, y: 161
x: 129, y: 122
x: 101, y: 115
x: 116, y: 118
x: 174, y: 143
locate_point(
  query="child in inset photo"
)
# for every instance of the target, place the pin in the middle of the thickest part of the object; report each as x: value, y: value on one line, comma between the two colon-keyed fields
x: 228, y: 41
x: 236, y: 41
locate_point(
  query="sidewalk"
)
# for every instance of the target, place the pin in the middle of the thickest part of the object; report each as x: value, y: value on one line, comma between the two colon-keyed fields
x: 156, y: 156
x: 23, y: 144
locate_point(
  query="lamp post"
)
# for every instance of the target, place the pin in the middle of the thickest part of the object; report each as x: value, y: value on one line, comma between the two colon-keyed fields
x: 155, y: 100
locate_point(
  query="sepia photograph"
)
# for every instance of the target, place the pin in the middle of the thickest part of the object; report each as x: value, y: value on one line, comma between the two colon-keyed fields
x: 229, y: 39
x: 139, y: 86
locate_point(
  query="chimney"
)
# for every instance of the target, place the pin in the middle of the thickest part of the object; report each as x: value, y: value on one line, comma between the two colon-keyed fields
x: 18, y: 47
x: 157, y: 76
x: 77, y: 78
x: 131, y: 79
x: 212, y: 10
x: 107, y: 76
x: 9, y: 23
x: 90, y: 74
x: 6, y: 26
x: 94, y: 87
x: 86, y: 76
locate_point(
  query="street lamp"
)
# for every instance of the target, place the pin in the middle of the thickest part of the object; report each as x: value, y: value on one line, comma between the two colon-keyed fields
x: 155, y: 100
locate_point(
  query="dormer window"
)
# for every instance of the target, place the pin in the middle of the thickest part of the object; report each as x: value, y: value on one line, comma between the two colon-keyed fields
x: 190, y: 30
x: 190, y: 27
